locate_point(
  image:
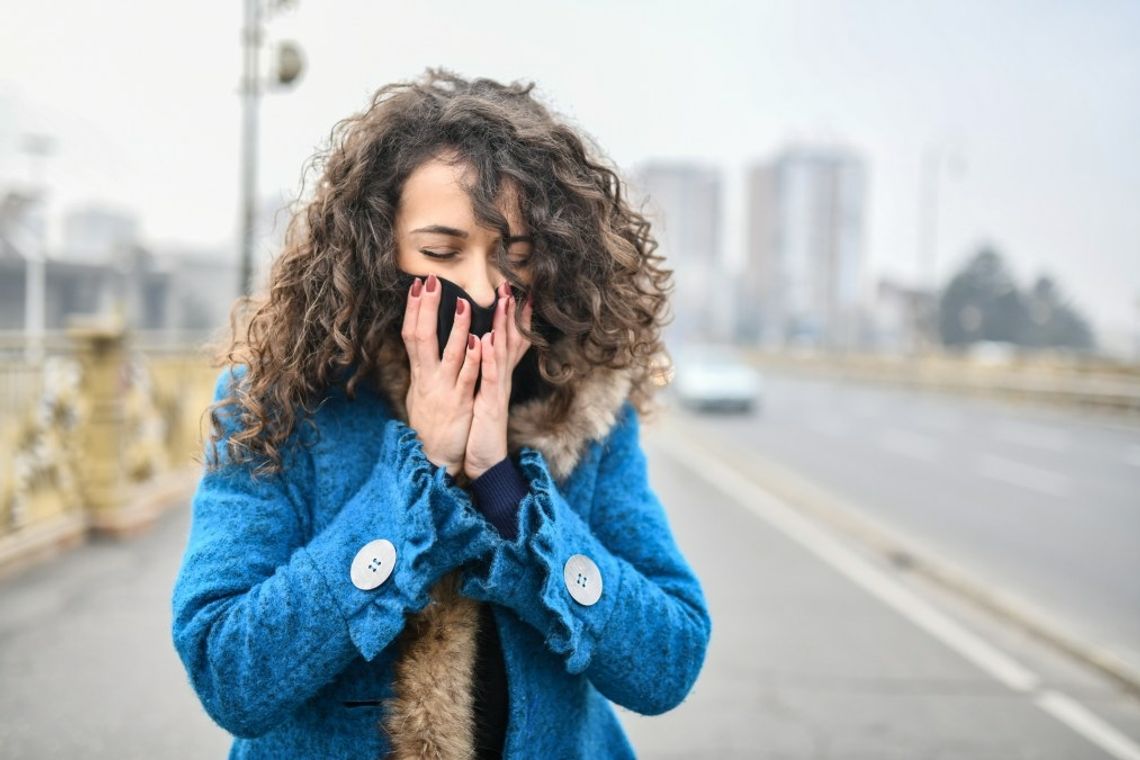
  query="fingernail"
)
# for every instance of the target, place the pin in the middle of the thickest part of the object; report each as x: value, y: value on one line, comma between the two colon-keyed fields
x: 460, y: 305
x: 431, y: 283
x: 416, y: 287
x: 470, y: 341
x: 492, y: 337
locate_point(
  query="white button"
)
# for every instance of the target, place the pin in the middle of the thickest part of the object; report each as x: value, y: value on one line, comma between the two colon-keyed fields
x: 583, y: 579
x: 373, y: 564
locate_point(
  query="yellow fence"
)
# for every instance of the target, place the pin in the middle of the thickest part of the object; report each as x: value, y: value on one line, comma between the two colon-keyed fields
x: 98, y: 435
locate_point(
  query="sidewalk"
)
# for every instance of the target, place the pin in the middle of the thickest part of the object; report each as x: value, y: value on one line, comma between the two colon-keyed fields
x: 86, y: 658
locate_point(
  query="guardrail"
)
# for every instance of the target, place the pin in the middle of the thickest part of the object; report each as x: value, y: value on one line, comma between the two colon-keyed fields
x: 1088, y: 384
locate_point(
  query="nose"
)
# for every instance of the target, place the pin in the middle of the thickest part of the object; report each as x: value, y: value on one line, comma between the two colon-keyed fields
x: 481, y: 282
x: 482, y: 294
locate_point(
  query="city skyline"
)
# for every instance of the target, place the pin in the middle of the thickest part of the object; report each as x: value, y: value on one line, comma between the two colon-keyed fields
x: 1023, y: 102
x: 803, y: 275
x: 684, y: 203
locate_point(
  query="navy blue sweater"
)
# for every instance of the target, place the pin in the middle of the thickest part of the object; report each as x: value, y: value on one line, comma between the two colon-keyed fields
x: 497, y: 493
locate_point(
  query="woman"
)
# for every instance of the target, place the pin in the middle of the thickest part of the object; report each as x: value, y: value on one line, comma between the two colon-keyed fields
x: 425, y: 527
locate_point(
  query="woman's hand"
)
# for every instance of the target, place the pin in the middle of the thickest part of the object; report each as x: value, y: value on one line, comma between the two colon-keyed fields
x: 502, y: 348
x: 441, y: 395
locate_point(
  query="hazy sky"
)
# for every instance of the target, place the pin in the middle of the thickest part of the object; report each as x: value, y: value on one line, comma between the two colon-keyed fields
x: 1041, y: 101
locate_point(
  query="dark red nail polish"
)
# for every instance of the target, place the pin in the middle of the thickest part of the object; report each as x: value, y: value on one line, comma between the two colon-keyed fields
x: 470, y: 341
x: 460, y: 305
x: 431, y: 283
x: 417, y: 286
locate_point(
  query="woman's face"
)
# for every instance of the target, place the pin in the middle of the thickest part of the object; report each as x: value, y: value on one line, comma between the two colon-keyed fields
x: 436, y: 232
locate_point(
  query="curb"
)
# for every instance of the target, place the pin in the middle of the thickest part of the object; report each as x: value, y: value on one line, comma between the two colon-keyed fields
x: 144, y: 505
x: 34, y: 544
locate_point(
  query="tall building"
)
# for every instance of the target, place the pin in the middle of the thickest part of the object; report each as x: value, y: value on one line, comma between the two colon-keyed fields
x: 802, y: 272
x: 683, y: 202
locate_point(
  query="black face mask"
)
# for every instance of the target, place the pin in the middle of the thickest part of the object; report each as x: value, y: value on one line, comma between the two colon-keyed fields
x: 526, y: 382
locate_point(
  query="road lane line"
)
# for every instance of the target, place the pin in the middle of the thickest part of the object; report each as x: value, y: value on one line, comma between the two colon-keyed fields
x: 1075, y: 715
x: 991, y: 660
x: 1034, y: 436
x: 908, y: 444
x: 1023, y: 475
x: 863, y: 573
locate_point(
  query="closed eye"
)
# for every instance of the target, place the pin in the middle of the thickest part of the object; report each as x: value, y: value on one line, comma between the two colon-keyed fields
x: 520, y: 260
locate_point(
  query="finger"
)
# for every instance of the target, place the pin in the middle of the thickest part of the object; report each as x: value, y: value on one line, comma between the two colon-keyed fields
x: 453, y: 352
x: 528, y: 323
x: 517, y: 339
x: 528, y: 312
x: 490, y: 367
x: 411, y: 317
x: 427, y: 345
x: 498, y: 320
x: 503, y: 338
x: 469, y: 371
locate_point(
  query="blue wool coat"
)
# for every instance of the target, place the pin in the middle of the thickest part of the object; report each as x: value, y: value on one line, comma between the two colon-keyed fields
x: 278, y: 641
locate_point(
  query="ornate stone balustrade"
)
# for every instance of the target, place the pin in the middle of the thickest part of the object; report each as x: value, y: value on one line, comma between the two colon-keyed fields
x: 97, y: 437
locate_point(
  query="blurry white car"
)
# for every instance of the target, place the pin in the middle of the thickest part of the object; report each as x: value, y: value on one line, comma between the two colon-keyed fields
x: 715, y: 377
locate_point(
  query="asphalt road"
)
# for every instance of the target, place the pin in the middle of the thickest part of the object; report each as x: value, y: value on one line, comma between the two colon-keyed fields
x: 1043, y: 506
x: 819, y: 649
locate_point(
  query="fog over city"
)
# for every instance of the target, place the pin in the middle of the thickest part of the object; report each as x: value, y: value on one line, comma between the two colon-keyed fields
x: 1030, y: 106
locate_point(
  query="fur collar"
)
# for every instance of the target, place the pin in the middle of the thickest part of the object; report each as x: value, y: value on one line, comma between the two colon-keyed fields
x: 431, y: 712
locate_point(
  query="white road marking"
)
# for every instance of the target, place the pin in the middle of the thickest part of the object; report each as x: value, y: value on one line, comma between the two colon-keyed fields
x: 908, y: 444
x: 813, y: 538
x: 1034, y: 436
x: 1077, y: 717
x: 1023, y: 475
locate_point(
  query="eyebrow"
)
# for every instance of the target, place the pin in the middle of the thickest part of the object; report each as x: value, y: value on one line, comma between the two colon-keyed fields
x: 439, y: 229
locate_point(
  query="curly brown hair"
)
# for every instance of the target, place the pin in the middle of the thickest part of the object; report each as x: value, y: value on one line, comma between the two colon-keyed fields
x: 333, y: 310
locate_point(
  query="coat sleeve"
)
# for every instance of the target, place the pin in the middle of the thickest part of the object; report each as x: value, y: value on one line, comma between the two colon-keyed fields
x: 643, y: 642
x: 263, y: 618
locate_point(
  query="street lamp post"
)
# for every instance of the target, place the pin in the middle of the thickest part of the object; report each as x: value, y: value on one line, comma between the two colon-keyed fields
x: 289, y: 65
x: 38, y: 147
x: 250, y: 91
x: 930, y: 171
